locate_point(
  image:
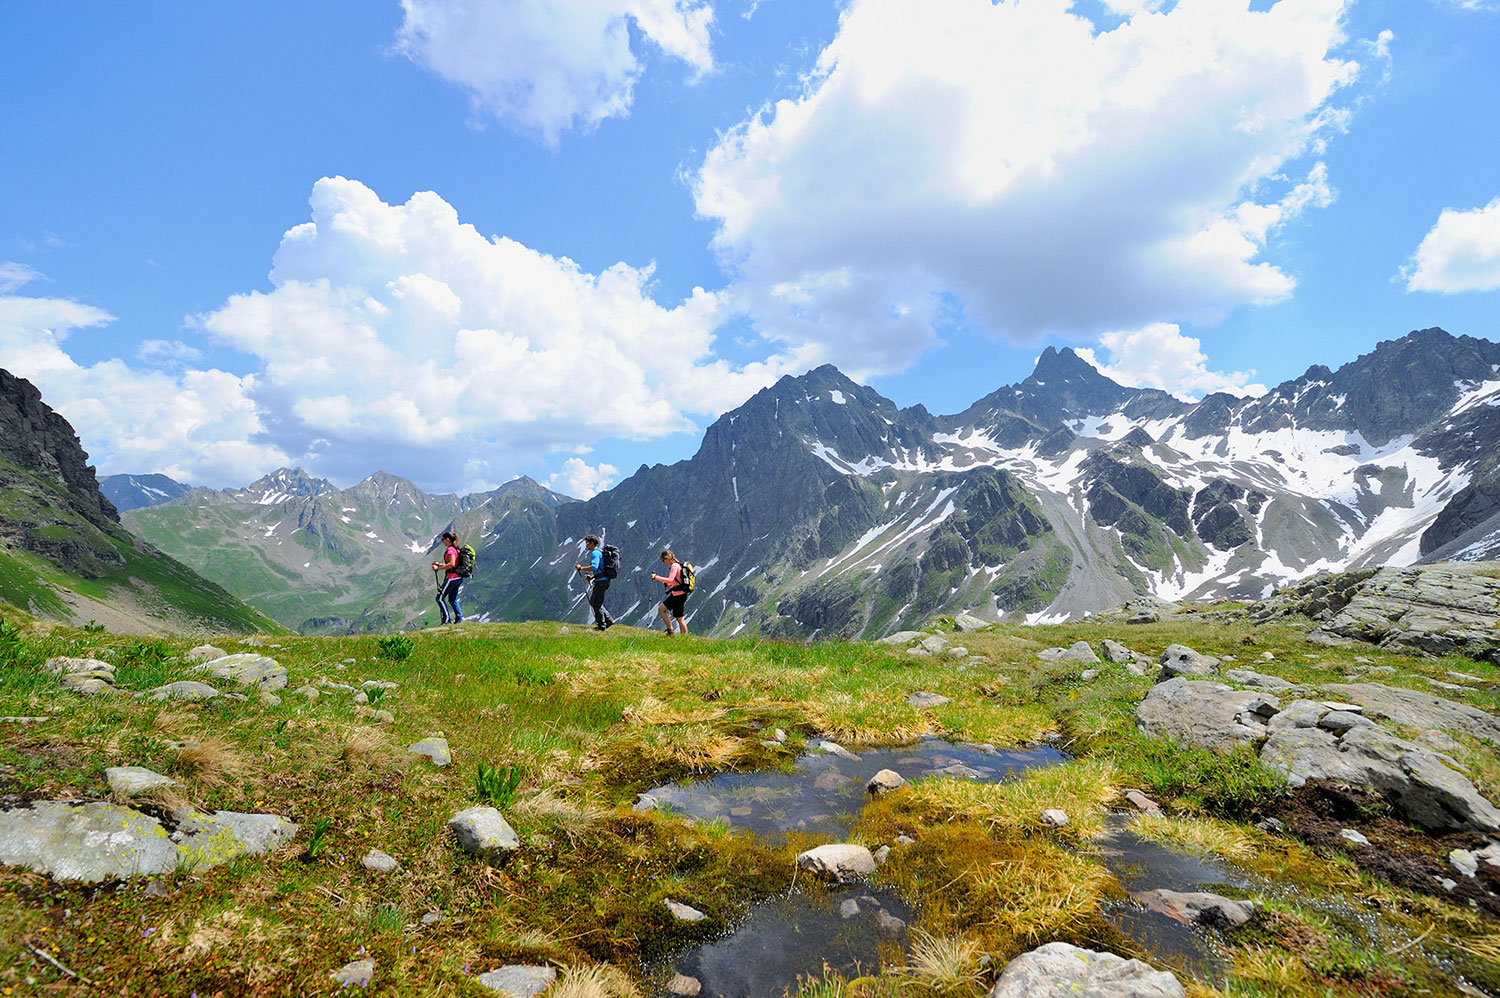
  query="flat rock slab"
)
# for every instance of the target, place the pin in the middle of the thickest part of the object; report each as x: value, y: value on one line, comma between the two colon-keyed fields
x: 435, y: 748
x: 922, y: 700
x: 935, y: 644
x: 1060, y: 969
x: 965, y: 622
x: 127, y: 781
x: 1419, y: 710
x: 519, y: 980
x: 64, y: 665
x: 899, y: 638
x: 248, y: 669
x: 484, y: 832
x: 205, y: 653
x: 211, y: 839
x: 1209, y: 715
x: 89, y: 842
x: 186, y: 690
x: 1246, y: 677
x: 1199, y: 907
x: 1180, y: 660
x: 840, y: 863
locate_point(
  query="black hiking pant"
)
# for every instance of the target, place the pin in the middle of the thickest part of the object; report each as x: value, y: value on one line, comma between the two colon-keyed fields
x: 448, y: 597
x: 597, y: 589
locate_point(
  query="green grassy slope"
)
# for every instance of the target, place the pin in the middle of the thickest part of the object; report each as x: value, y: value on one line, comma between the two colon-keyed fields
x: 591, y: 720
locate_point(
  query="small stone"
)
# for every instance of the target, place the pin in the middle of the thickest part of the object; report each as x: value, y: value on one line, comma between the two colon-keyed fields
x: 1267, y: 656
x: 848, y: 909
x: 1198, y: 906
x: 1274, y: 825
x: 205, y: 653
x: 958, y: 651
x: 899, y: 638
x: 435, y: 748
x: 919, y: 651
x: 1447, y: 883
x: 1352, y: 708
x: 922, y: 700
x: 347, y: 661
x: 1180, y: 660
x: 432, y: 918
x: 1464, y: 862
x: 306, y: 691
x: 935, y: 644
x: 484, y: 832
x: 1465, y: 677
x: 128, y: 781
x: 841, y: 863
x: 905, y: 840
x: 831, y: 779
x: 356, y: 974
x: 1054, y: 817
x: 1142, y: 803
x: 380, y: 862
x: 1063, y: 969
x: 361, y: 697
x: 1350, y: 835
x: 645, y: 802
x: 1089, y: 675
x: 520, y: 980
x: 1115, y: 652
x: 683, y: 912
x: 965, y: 622
x: 379, y: 684
x: 836, y: 750
x: 960, y: 770
x: 779, y: 735
x: 884, y: 852
x: 890, y: 924
x: 563, y: 631
x: 684, y: 986
x: 884, y: 782
x: 270, y: 700
x: 382, y: 717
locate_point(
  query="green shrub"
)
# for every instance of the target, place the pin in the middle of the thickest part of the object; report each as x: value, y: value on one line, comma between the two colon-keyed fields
x: 496, y: 785
x: 396, y: 647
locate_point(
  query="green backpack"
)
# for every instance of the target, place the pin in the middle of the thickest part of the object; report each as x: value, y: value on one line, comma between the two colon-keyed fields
x: 465, y: 567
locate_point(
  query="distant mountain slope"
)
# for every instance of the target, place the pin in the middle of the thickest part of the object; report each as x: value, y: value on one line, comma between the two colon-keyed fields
x: 821, y: 507
x: 319, y: 558
x: 64, y: 554
x: 127, y: 492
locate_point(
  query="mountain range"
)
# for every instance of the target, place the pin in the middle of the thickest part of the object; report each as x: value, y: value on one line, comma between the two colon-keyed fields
x: 820, y: 507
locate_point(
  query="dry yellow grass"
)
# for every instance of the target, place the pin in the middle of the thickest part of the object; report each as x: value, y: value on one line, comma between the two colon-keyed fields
x: 362, y: 745
x: 948, y: 966
x: 599, y: 981
x: 1205, y: 836
x: 213, y: 760
x: 1081, y: 788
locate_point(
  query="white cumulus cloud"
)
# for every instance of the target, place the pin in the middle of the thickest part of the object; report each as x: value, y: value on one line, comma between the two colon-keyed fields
x: 582, y: 480
x: 397, y: 331
x: 546, y: 66
x: 1160, y: 356
x: 1044, y: 172
x: 1460, y: 253
x: 192, y: 425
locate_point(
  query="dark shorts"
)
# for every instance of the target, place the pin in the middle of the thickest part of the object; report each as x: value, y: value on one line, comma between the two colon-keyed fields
x: 674, y: 603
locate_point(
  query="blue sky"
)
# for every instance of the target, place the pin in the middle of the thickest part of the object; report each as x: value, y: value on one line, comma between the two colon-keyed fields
x: 640, y: 211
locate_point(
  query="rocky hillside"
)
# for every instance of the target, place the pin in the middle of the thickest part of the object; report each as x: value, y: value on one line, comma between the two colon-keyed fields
x: 820, y: 507
x: 327, y: 560
x: 64, y: 554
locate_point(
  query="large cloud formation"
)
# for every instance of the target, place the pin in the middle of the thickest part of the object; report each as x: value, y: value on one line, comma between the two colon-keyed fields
x: 195, y: 425
x: 545, y: 66
x: 1460, y: 253
x: 1161, y: 356
x: 399, y: 330
x: 1042, y: 172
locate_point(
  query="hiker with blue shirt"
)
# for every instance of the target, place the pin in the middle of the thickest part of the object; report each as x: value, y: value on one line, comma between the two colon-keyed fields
x: 603, y: 566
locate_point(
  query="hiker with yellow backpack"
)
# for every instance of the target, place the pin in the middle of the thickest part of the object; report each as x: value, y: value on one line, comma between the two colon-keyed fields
x: 679, y: 581
x: 456, y: 566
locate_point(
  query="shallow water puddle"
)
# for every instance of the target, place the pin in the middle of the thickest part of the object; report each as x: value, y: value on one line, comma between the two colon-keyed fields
x: 823, y: 793
x: 1141, y: 865
x: 785, y: 940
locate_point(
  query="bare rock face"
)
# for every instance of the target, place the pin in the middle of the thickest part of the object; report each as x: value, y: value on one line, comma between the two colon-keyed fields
x: 1420, y: 710
x: 1209, y: 715
x: 88, y: 842
x: 1063, y: 969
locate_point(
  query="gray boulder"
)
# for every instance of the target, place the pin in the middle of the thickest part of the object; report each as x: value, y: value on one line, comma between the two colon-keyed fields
x: 841, y: 862
x: 1420, y: 710
x: 205, y: 653
x: 518, y: 980
x: 899, y: 638
x: 1421, y: 786
x: 379, y: 862
x: 1062, y: 969
x: 186, y: 690
x: 128, y: 781
x: 936, y: 644
x: 884, y: 782
x: 87, y: 842
x: 1210, y: 715
x: 1246, y: 677
x: 248, y: 669
x: 922, y: 700
x: 965, y: 622
x: 1116, y: 652
x: 1198, y: 906
x: 1180, y: 660
x: 484, y: 832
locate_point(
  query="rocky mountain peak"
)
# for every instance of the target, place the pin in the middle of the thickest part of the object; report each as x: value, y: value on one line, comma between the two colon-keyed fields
x: 40, y: 441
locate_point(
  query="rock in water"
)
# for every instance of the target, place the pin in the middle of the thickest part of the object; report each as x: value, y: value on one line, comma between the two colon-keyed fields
x: 884, y: 782
x: 484, y: 832
x: 1061, y: 969
x: 1209, y: 715
x: 1180, y: 660
x: 128, y: 781
x: 683, y: 986
x: 1198, y: 906
x: 88, y: 842
x: 841, y: 863
x: 435, y: 748
x: 518, y: 979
